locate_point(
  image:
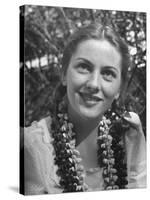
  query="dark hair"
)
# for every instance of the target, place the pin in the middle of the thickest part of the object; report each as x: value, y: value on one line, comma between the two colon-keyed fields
x: 95, y: 31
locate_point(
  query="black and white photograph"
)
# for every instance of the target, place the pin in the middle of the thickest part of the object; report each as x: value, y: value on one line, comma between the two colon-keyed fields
x: 82, y: 100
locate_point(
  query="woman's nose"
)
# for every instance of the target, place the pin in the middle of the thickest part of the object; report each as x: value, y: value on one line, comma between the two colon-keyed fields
x: 94, y: 82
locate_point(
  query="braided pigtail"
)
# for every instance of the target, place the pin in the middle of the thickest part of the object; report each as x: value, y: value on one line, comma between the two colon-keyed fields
x: 57, y: 96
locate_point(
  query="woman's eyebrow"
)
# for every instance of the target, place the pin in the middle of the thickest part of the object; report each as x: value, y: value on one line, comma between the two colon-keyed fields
x: 85, y: 60
x: 111, y: 67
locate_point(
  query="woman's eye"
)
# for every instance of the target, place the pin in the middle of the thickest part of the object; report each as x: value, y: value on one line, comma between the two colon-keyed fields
x: 109, y: 75
x: 83, y: 68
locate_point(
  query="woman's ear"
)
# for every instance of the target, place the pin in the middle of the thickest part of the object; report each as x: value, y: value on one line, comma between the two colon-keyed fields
x: 117, y: 96
x: 64, y: 83
x: 63, y: 80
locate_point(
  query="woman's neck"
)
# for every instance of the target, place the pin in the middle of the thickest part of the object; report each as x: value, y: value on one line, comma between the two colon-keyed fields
x: 83, y: 127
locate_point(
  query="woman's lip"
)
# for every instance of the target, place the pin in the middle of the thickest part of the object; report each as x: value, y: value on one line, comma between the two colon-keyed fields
x: 89, y: 97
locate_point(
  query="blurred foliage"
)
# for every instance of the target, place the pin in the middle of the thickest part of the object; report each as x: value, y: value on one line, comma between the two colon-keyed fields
x: 46, y: 30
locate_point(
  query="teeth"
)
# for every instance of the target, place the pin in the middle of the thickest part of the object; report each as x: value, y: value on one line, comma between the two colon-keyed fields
x: 90, y: 98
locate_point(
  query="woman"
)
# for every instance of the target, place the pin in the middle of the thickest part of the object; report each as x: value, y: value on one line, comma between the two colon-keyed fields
x: 87, y: 143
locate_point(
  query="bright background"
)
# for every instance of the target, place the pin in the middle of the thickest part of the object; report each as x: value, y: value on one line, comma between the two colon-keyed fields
x: 9, y: 99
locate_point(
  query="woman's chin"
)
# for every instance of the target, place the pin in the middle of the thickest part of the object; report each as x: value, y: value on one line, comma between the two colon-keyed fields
x: 90, y: 114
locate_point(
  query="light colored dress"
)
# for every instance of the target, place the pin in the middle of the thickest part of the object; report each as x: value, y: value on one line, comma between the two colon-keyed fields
x: 40, y: 170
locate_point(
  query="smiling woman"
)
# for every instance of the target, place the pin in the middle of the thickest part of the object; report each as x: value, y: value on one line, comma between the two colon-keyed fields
x: 93, y: 79
x: 87, y: 143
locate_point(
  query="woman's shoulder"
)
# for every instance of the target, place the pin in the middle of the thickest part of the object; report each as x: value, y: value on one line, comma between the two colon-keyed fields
x: 40, y: 167
x: 37, y: 137
x: 135, y: 145
x: 38, y: 130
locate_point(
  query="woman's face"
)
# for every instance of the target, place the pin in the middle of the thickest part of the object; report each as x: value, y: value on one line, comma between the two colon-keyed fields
x: 93, y: 78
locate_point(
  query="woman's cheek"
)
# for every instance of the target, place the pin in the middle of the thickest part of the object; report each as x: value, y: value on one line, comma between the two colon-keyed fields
x: 77, y: 80
x: 110, y: 90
